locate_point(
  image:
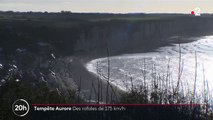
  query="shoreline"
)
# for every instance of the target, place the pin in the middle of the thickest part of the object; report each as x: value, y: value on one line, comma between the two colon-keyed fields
x: 88, y: 81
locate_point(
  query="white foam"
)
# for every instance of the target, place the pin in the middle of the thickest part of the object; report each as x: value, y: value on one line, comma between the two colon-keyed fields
x: 125, y: 67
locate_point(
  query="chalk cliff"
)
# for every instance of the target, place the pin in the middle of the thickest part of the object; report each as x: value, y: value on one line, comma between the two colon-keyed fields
x: 123, y: 36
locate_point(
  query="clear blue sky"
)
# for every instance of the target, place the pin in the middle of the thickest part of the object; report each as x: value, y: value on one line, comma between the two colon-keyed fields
x: 109, y: 6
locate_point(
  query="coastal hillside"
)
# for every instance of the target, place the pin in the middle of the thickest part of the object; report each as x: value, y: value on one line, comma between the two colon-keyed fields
x: 91, y: 34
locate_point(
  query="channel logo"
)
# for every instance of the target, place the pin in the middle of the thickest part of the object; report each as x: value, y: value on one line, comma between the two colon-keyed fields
x: 20, y: 107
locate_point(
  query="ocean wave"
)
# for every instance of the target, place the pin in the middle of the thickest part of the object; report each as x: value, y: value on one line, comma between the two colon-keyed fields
x: 166, y: 60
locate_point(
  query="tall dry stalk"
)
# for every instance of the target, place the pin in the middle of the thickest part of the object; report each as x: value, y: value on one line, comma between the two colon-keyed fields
x: 195, y: 81
x: 179, y: 69
x: 79, y: 90
x: 95, y: 92
x: 108, y: 75
x: 205, y: 96
x: 101, y: 89
x: 167, y: 77
x: 98, y: 79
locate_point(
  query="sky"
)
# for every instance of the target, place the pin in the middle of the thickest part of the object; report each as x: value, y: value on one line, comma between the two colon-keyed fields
x: 109, y: 6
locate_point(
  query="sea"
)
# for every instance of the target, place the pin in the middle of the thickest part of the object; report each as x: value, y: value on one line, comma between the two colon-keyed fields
x: 187, y: 65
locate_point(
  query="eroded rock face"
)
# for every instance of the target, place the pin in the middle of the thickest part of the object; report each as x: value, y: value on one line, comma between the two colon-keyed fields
x: 127, y: 36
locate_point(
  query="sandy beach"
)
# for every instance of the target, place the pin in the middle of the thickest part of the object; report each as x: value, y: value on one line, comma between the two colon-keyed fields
x: 89, y: 83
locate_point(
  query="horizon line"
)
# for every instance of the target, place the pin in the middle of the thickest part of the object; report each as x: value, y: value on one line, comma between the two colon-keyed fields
x: 62, y: 11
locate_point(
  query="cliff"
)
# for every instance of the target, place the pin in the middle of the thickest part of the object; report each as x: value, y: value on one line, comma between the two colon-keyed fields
x: 126, y: 36
x: 91, y: 34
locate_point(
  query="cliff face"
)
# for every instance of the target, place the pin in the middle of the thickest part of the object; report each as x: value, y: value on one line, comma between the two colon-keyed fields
x: 122, y: 36
x: 92, y: 34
